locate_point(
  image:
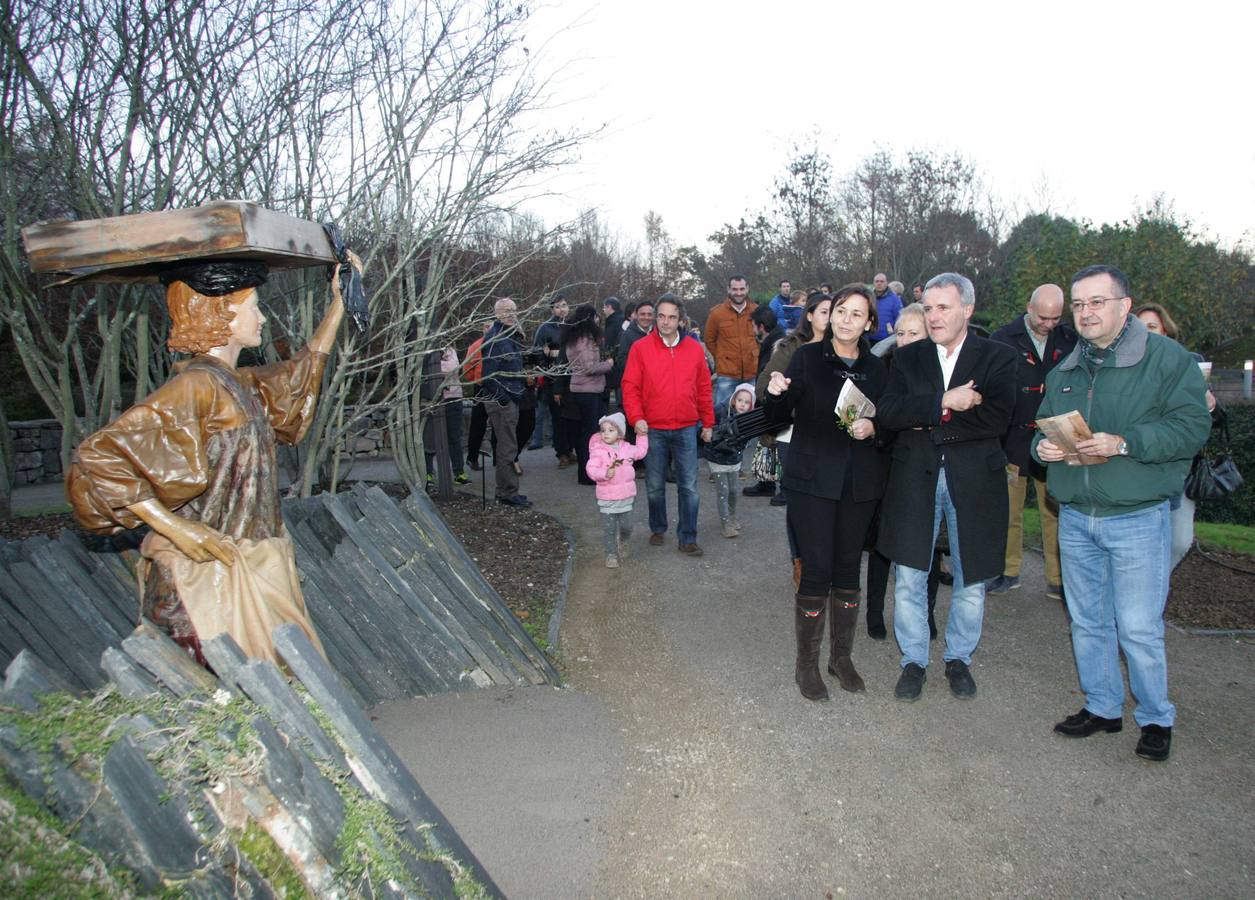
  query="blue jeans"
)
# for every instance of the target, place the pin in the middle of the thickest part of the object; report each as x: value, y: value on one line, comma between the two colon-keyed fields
x: 724, y: 385
x: 666, y: 445
x: 910, y: 597
x: 1115, y: 577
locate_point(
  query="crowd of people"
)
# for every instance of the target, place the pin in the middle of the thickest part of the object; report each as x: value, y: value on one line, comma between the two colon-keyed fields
x: 899, y: 429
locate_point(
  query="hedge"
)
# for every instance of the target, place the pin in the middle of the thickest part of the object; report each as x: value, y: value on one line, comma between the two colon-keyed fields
x: 1238, y: 509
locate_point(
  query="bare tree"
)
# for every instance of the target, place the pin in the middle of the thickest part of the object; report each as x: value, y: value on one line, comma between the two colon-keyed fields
x: 403, y: 121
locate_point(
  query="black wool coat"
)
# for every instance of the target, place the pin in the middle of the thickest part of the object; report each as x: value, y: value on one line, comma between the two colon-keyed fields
x: 971, y: 443
x: 1030, y: 376
x: 820, y: 450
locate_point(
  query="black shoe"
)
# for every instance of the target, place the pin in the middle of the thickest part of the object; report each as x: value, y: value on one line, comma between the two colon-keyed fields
x: 1085, y: 723
x: 779, y: 500
x: 962, y: 684
x: 759, y: 489
x: 1002, y: 584
x: 876, y: 627
x: 1155, y: 743
x: 1055, y: 592
x: 910, y: 682
x: 517, y: 500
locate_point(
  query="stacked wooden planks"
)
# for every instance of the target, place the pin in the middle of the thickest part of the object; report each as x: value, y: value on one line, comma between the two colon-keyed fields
x: 400, y: 607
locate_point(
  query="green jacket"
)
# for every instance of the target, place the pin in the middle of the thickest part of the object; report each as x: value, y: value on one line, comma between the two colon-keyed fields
x: 1150, y: 392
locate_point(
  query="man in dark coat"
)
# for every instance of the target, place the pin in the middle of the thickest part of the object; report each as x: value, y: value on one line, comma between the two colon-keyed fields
x: 1040, y: 341
x: 950, y: 400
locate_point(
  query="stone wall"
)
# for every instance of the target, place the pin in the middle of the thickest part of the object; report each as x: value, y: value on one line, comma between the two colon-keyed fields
x: 36, y: 450
x: 37, y: 445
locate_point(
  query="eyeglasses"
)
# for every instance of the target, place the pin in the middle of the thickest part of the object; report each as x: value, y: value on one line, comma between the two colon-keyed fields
x: 1094, y: 303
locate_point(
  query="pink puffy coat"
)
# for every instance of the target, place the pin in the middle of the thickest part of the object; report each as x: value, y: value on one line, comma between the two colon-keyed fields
x: 600, y: 455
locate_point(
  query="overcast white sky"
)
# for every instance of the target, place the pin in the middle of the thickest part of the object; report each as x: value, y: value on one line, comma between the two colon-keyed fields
x: 1107, y: 104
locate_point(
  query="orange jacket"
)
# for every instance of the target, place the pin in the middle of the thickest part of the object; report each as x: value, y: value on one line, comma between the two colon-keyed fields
x: 473, y: 365
x: 729, y: 337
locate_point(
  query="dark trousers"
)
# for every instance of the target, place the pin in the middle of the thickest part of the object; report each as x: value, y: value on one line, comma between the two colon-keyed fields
x: 830, y: 535
x: 562, y: 444
x: 478, y: 428
x: 591, y: 409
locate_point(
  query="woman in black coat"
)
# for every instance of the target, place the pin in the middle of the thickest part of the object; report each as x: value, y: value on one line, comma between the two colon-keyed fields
x: 834, y: 476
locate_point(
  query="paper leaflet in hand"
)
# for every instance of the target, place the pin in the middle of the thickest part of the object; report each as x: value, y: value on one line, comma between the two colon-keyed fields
x: 1065, y: 431
x: 853, y: 404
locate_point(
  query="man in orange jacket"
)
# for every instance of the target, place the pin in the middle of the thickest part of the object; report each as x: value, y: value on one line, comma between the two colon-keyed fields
x: 666, y: 394
x: 731, y: 341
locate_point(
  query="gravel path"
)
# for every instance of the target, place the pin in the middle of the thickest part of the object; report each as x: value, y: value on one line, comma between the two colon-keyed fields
x: 682, y: 761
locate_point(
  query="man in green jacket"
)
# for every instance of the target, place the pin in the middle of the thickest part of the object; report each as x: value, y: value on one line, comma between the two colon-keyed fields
x: 1143, y: 398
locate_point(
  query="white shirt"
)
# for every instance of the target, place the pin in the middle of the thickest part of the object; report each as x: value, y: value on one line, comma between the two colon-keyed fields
x: 949, y: 362
x: 1039, y: 343
x: 672, y: 343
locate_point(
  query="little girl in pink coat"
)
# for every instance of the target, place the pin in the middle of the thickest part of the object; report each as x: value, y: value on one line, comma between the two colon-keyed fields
x: 610, y: 465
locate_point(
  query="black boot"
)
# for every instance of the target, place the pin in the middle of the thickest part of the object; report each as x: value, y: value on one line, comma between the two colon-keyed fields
x: 843, y: 620
x: 809, y: 616
x: 874, y: 601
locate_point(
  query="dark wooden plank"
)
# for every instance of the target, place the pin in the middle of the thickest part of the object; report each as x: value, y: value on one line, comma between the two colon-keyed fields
x: 72, y: 641
x: 400, y: 645
x: 398, y: 585
x: 461, y: 566
x: 133, y: 247
x: 349, y: 654
x: 64, y: 570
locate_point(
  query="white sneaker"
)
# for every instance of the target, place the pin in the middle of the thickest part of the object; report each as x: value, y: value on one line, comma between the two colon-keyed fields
x: 730, y: 530
x: 612, y: 561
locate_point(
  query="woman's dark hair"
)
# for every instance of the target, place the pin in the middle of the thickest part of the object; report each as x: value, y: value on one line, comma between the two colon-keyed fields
x: 854, y: 290
x: 583, y: 322
x: 805, y: 331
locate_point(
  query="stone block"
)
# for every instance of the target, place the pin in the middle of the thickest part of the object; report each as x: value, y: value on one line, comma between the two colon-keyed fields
x: 29, y: 674
x: 51, y: 462
x: 132, y: 681
x: 157, y: 819
x: 375, y: 763
x: 224, y: 655
x: 25, y: 445
x: 29, y: 460
x: 262, y: 682
x: 167, y: 661
x: 50, y: 439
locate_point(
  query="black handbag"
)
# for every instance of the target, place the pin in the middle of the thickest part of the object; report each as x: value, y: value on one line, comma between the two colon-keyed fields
x: 1214, y: 477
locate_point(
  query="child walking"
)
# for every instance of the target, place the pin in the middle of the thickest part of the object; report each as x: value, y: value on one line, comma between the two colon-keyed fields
x: 724, y: 453
x: 610, y: 465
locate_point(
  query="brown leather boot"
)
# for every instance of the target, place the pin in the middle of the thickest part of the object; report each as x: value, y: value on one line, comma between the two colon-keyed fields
x: 843, y: 619
x: 809, y: 616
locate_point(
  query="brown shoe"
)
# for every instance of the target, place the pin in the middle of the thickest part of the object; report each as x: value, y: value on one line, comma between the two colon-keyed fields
x: 691, y: 549
x: 563, y: 462
x: 655, y: 539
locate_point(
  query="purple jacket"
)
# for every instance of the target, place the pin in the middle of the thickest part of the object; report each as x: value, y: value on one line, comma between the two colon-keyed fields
x: 588, y: 369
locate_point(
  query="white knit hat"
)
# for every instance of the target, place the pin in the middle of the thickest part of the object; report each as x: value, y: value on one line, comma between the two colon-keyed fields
x: 617, y: 420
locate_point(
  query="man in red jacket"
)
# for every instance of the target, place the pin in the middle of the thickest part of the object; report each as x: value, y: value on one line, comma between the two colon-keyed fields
x: 666, y: 393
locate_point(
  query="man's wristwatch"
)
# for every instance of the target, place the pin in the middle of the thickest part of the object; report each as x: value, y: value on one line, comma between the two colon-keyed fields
x: 1123, y: 449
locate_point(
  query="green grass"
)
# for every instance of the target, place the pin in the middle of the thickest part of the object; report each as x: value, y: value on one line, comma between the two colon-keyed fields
x: 1234, y: 538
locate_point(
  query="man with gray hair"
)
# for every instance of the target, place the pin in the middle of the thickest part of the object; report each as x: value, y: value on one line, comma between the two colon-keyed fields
x: 950, y: 400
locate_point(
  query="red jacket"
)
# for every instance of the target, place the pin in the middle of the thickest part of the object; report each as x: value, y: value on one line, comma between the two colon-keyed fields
x: 668, y: 387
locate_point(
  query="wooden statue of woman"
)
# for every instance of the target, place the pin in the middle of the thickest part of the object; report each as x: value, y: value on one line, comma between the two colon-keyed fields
x: 195, y: 461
